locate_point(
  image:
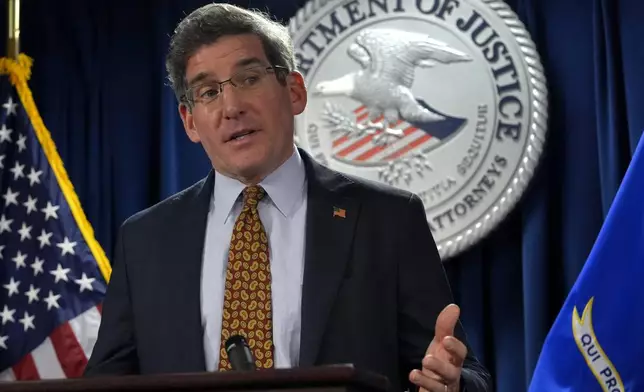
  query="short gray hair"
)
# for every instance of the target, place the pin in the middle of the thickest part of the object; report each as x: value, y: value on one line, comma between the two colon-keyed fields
x: 207, y: 24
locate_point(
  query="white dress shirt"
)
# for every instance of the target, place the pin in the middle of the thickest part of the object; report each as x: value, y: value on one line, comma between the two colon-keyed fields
x: 283, y: 214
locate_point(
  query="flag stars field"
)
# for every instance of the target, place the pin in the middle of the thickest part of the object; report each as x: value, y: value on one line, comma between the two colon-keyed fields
x: 34, y: 177
x: 5, y: 224
x: 44, y: 238
x: 30, y: 204
x: 10, y: 107
x: 52, y: 300
x: 10, y: 197
x: 12, y: 287
x: 85, y: 283
x: 25, y: 232
x: 27, y: 321
x: 20, y: 260
x: 22, y: 143
x: 7, y: 315
x: 60, y: 273
x: 18, y: 171
x: 32, y: 294
x: 37, y: 266
x: 5, y: 134
x: 50, y: 211
x: 66, y: 247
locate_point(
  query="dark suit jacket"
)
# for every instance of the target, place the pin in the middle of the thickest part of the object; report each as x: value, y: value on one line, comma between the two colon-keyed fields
x: 373, y: 284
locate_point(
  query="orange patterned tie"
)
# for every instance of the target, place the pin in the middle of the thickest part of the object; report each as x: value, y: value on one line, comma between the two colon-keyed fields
x: 247, y: 295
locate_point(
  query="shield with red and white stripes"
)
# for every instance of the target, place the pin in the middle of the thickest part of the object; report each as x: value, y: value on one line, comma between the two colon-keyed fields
x: 365, y: 150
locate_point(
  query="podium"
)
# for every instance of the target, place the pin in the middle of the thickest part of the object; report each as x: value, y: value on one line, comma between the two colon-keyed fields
x: 339, y: 378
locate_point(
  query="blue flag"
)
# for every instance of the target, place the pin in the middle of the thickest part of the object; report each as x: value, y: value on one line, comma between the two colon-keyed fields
x: 53, y: 273
x: 596, y: 341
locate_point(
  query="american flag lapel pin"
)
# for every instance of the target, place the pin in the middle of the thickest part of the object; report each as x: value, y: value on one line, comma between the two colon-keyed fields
x: 339, y: 212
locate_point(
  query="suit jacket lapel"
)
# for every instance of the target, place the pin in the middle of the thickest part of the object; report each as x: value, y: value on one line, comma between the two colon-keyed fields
x: 330, y: 224
x: 187, y: 250
x: 329, y: 238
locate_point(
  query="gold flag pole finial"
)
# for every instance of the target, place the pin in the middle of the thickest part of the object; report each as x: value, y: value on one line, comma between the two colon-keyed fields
x: 13, y: 40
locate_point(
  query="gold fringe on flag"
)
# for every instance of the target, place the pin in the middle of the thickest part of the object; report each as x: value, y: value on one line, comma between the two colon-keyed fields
x: 19, y: 72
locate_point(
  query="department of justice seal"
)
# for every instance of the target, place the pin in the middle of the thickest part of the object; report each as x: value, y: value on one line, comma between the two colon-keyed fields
x: 444, y: 98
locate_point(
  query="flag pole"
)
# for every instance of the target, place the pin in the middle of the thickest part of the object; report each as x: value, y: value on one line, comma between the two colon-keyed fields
x: 13, y: 24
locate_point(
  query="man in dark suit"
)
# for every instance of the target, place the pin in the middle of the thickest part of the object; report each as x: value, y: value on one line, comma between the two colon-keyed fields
x: 312, y: 266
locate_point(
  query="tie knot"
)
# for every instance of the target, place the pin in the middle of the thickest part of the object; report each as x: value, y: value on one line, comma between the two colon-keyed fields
x: 253, y: 194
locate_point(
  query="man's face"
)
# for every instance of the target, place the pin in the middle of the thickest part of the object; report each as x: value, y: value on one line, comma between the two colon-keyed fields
x: 247, y: 132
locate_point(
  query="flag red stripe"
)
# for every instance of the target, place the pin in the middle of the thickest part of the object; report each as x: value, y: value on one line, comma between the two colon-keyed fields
x: 362, y: 117
x: 26, y: 369
x: 339, y: 141
x: 409, y: 147
x: 99, y: 307
x: 70, y: 353
x: 355, y: 146
x: 375, y: 150
x: 345, y: 138
x: 360, y: 142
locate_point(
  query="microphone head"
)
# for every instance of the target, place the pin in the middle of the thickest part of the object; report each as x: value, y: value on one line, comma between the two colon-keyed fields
x: 239, y: 354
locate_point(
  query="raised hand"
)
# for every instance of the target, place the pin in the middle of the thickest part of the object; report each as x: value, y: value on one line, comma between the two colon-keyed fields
x: 441, y: 367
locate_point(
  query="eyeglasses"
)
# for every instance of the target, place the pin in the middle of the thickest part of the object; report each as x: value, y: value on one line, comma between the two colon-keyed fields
x: 246, y: 79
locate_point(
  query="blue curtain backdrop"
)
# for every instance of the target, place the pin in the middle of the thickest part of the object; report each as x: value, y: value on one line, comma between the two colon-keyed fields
x: 99, y: 82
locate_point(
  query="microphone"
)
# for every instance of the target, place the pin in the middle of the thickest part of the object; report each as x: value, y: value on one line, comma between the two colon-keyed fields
x: 239, y: 354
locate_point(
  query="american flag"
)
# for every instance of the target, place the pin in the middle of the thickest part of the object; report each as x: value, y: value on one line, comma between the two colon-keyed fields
x: 52, y: 270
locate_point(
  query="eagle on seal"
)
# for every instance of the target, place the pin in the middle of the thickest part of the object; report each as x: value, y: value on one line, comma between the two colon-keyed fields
x: 388, y: 58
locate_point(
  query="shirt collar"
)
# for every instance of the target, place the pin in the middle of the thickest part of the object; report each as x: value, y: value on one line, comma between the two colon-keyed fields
x: 284, y: 187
